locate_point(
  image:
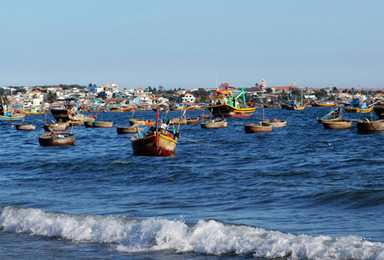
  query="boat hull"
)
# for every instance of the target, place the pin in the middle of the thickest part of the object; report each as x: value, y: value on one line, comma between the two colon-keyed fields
x: 26, y: 127
x: 370, y: 127
x: 153, y: 145
x: 12, y: 118
x: 358, y: 110
x: 101, y: 124
x: 214, y: 124
x: 275, y: 123
x: 57, y: 139
x: 56, y: 127
x: 337, y: 125
x: 128, y: 129
x: 257, y: 128
x: 226, y: 110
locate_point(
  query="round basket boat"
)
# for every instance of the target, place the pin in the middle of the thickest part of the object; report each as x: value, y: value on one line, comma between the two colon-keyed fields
x: 337, y: 125
x: 258, y: 128
x: 128, y: 129
x: 371, y: 126
x: 25, y: 127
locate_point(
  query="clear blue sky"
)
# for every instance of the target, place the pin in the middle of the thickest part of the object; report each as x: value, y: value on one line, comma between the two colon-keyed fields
x: 186, y: 43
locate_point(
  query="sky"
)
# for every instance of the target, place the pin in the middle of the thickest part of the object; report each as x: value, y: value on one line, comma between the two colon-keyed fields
x: 192, y: 43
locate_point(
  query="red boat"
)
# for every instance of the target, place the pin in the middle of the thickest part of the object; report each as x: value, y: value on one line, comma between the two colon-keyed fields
x: 154, y: 140
x: 155, y: 144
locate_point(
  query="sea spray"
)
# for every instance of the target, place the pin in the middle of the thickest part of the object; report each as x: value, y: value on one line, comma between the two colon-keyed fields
x: 204, y: 237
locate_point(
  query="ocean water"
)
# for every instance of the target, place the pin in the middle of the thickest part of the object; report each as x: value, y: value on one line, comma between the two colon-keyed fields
x: 300, y: 192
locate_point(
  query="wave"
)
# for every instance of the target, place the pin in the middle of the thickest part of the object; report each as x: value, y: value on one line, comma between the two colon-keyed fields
x: 204, y: 237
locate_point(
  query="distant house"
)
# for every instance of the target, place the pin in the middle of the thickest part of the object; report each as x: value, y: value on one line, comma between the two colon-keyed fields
x: 188, y: 98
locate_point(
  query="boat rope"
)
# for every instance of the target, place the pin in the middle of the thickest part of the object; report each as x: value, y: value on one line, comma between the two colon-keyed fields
x: 197, y: 141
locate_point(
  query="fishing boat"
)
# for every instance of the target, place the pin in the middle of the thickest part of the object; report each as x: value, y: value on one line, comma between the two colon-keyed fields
x: 257, y: 128
x: 58, y: 127
x: 26, y: 127
x: 335, y: 114
x: 275, y: 122
x: 128, y: 129
x: 226, y: 104
x: 57, y: 139
x: 370, y: 126
x: 337, y: 124
x: 11, y: 117
x: 215, y: 123
x: 155, y: 140
x: 102, y: 124
x: 359, y: 105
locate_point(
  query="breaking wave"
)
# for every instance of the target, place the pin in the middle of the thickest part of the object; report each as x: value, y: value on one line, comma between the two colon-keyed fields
x: 204, y: 237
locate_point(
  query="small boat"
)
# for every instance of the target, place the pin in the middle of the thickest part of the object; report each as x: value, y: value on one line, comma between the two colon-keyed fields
x: 216, y: 123
x: 325, y: 104
x: 204, y: 115
x: 337, y: 125
x: 295, y: 107
x: 56, y: 127
x: 193, y: 120
x: 275, y: 122
x: 176, y: 121
x: 57, y: 139
x: 335, y: 114
x: 128, y: 129
x: 136, y: 122
x: 154, y: 142
x: 258, y: 128
x: 25, y: 127
x: 370, y: 126
x: 103, y: 124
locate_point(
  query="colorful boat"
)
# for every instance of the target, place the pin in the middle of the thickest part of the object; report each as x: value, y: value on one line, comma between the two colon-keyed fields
x: 8, y: 117
x: 226, y: 104
x: 57, y: 139
x: 359, y: 105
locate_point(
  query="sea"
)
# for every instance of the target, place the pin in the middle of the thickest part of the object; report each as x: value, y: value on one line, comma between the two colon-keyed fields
x: 299, y: 192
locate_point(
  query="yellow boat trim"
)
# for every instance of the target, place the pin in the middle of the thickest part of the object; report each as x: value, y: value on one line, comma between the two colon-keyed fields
x: 166, y: 137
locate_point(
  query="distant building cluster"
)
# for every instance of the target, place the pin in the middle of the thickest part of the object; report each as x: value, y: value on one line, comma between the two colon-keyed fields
x: 110, y: 96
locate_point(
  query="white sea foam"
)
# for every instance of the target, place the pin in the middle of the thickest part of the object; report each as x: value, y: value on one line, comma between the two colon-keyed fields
x: 205, y: 237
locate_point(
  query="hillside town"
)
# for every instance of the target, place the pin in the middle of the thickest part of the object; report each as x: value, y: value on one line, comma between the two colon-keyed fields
x: 110, y: 97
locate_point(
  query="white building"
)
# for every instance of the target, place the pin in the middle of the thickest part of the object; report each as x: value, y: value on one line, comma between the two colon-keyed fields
x: 188, y: 98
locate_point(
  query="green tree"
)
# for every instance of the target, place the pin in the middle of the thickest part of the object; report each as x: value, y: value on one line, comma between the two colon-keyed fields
x: 51, y: 97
